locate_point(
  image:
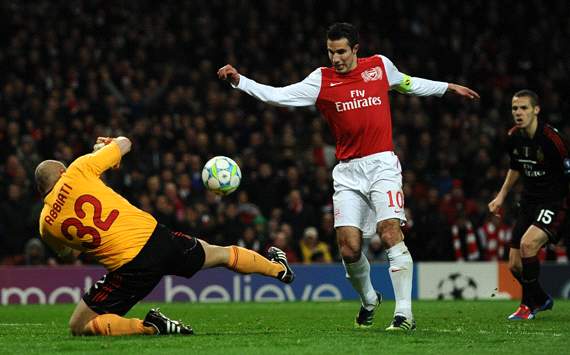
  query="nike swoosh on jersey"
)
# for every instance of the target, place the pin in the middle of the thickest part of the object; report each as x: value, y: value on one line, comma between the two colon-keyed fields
x: 335, y: 84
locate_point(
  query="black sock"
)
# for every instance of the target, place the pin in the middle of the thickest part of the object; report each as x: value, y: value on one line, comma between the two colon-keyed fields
x: 530, y: 273
x: 525, y: 292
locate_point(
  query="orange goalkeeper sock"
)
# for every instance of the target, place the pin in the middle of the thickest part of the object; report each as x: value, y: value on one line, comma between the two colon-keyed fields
x: 247, y: 261
x: 112, y: 324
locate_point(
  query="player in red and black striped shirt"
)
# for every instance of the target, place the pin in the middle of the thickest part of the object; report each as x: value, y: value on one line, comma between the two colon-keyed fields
x: 540, y: 157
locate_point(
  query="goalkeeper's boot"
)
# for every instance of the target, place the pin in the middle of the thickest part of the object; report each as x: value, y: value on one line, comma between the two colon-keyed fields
x: 547, y: 305
x: 401, y: 323
x: 164, y: 325
x: 522, y: 313
x: 278, y: 256
x: 365, y: 318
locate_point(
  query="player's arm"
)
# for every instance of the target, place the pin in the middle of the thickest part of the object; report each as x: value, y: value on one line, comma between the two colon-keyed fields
x: 559, y: 149
x: 107, y: 153
x: 123, y: 142
x: 303, y: 93
x: 510, y: 180
x: 410, y: 85
x: 512, y: 177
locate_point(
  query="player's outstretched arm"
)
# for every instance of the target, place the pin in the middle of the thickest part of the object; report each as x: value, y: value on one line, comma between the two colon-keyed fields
x: 229, y: 73
x: 123, y: 142
x: 463, y: 91
x: 303, y: 93
x: 406, y: 84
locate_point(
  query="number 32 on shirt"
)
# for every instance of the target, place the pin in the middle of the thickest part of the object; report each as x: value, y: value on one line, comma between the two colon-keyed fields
x: 81, y: 229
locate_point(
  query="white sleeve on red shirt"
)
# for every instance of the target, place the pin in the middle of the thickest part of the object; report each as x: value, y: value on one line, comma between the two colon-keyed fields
x: 416, y: 86
x: 303, y: 93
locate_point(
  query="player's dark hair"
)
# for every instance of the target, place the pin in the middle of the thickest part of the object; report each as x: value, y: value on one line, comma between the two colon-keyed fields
x: 341, y: 30
x: 530, y: 94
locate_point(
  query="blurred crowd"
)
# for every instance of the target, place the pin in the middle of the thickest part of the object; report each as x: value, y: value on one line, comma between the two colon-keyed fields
x: 76, y: 70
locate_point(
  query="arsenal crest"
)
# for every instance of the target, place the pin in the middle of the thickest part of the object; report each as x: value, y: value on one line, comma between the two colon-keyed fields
x: 372, y: 74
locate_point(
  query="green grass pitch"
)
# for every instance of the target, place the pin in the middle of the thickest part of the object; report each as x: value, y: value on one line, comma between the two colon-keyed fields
x: 444, y: 327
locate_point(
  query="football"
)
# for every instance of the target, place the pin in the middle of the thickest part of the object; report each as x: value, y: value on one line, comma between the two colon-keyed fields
x: 221, y: 175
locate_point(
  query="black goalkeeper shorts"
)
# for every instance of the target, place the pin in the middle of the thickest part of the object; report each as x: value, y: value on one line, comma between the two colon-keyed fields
x: 165, y: 253
x: 551, y: 217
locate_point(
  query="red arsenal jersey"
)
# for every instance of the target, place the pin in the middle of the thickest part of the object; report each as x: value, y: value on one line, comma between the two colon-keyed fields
x: 357, y: 108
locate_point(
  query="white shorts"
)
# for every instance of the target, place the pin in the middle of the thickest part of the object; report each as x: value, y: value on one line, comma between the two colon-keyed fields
x: 368, y: 190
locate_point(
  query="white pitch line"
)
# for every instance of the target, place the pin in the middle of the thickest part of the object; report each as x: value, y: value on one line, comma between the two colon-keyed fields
x: 520, y: 332
x: 17, y: 324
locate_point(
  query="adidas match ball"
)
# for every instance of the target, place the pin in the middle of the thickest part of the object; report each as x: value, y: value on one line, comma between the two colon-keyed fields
x: 221, y: 175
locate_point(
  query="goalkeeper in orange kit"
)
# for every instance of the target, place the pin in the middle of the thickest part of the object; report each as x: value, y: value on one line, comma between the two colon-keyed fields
x: 83, y: 215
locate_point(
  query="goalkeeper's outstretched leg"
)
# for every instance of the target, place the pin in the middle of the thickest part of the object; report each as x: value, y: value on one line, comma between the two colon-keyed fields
x: 247, y: 261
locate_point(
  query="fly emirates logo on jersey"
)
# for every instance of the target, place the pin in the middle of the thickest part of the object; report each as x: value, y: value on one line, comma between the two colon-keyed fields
x: 358, y: 100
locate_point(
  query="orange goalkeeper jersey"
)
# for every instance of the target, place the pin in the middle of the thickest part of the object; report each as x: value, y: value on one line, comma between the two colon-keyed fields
x: 82, y: 213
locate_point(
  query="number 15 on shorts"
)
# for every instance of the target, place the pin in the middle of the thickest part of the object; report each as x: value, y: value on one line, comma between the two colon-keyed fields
x: 545, y: 216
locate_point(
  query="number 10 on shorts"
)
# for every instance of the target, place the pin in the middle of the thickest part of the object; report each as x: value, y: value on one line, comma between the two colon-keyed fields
x: 397, y: 197
x: 545, y: 216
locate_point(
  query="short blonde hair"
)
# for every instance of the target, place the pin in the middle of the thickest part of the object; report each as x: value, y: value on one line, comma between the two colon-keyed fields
x: 47, y: 173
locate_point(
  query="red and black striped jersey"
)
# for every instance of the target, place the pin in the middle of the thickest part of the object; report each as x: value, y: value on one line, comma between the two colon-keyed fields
x: 541, y: 161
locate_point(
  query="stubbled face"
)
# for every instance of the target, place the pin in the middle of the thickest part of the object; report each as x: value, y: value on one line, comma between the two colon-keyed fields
x: 524, y: 114
x: 342, y: 57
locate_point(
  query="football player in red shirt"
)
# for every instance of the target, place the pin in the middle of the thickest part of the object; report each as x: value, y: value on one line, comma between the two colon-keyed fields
x: 352, y: 95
